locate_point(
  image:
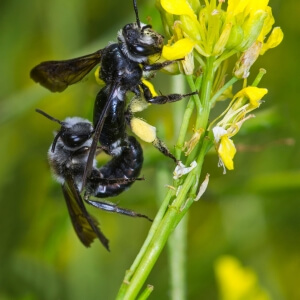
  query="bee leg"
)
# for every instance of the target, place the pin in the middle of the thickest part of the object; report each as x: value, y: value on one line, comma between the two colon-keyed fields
x: 111, y: 207
x: 161, y: 146
x: 159, y: 66
x: 162, y: 99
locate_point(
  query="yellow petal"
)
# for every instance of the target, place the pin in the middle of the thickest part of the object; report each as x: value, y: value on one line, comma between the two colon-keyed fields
x: 273, y: 41
x: 254, y: 94
x: 177, y: 7
x: 227, y: 151
x: 257, y: 4
x: 178, y: 50
x: 268, y: 23
x: 236, y: 6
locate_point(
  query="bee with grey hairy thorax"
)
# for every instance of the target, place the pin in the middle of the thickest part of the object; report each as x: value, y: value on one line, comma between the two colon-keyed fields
x: 67, y: 157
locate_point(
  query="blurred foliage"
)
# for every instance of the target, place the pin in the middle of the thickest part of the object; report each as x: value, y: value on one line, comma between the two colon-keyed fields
x: 252, y: 213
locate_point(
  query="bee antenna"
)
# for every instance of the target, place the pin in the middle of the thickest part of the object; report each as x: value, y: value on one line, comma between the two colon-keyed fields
x: 48, y: 116
x: 136, y: 14
x: 55, y: 140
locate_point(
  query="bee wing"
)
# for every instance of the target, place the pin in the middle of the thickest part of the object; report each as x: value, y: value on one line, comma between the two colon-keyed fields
x: 93, y: 148
x: 85, y: 225
x: 58, y: 75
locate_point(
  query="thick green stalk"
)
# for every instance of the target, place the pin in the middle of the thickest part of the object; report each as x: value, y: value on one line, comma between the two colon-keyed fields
x: 177, y: 245
x: 165, y: 228
x: 175, y: 211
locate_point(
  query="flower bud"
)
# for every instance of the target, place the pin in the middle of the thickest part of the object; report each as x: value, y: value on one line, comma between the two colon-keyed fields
x: 222, y: 41
x: 190, y: 27
x: 236, y: 37
x: 167, y: 19
x: 252, y: 28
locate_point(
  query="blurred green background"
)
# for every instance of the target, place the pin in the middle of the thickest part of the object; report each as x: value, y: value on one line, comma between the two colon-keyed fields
x: 252, y: 213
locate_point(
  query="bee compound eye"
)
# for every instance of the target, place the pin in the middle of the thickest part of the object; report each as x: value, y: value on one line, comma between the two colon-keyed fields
x: 74, y: 140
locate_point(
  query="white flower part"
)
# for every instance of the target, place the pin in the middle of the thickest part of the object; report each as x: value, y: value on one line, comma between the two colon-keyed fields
x: 218, y: 133
x: 181, y: 169
x: 221, y: 164
x: 203, y: 187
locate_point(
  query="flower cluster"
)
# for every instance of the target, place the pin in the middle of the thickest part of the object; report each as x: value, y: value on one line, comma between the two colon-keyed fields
x: 210, y: 30
x: 216, y: 30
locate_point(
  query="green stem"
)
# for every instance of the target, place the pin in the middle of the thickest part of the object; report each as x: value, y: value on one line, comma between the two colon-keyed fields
x: 170, y: 213
x: 151, y: 233
x: 221, y: 90
x: 187, y: 115
x: 259, y: 76
x: 177, y: 244
x: 203, y: 113
x: 165, y: 228
x: 148, y: 290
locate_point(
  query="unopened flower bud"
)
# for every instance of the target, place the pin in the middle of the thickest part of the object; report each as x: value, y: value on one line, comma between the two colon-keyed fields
x: 236, y: 37
x: 222, y: 41
x: 252, y: 28
x: 190, y: 26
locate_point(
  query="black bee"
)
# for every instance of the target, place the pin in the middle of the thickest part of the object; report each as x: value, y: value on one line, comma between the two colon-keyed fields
x: 67, y: 157
x: 123, y: 65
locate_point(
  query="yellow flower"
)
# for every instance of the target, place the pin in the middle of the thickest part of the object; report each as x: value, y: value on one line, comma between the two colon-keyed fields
x: 225, y: 148
x: 237, y: 282
x: 227, y: 151
x: 254, y: 94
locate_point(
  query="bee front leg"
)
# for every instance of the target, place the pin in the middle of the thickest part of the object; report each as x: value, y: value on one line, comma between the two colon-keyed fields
x: 162, y: 99
x: 159, y: 66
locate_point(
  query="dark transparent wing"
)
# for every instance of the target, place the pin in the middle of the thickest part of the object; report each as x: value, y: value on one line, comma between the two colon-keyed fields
x: 98, y: 129
x: 58, y: 75
x: 85, y: 225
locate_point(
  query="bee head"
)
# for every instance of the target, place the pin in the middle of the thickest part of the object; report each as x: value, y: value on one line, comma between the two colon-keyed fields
x: 140, y: 41
x: 74, y: 133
